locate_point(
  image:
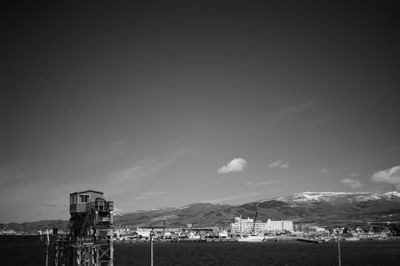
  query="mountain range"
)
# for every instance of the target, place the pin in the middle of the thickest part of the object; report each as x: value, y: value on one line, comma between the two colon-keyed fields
x: 305, y: 207
x: 323, y: 208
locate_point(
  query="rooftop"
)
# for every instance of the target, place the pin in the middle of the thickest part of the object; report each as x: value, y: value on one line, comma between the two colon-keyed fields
x: 86, y: 191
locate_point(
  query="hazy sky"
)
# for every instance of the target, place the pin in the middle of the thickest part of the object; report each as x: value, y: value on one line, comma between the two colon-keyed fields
x: 165, y: 103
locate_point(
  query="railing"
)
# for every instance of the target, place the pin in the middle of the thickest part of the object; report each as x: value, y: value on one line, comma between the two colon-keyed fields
x: 106, y: 206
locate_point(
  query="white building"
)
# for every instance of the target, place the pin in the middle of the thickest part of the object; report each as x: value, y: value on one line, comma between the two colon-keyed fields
x: 279, y: 226
x: 247, y: 226
x: 242, y: 226
x: 144, y: 232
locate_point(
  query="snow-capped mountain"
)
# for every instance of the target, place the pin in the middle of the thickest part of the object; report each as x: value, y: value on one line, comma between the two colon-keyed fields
x: 325, y: 208
x: 344, y: 197
x: 392, y: 195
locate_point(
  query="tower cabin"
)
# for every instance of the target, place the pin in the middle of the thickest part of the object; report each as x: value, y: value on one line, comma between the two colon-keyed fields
x: 89, y: 241
x: 90, y: 203
x: 78, y: 201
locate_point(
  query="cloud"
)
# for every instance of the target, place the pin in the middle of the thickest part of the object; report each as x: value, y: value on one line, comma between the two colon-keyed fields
x: 231, y: 198
x: 285, y: 165
x: 351, y: 182
x: 270, y: 182
x: 279, y: 164
x: 291, y: 116
x: 291, y: 111
x: 176, y: 142
x: 324, y: 171
x: 151, y: 194
x: 146, y: 168
x: 390, y: 176
x: 236, y: 165
x: 125, y: 174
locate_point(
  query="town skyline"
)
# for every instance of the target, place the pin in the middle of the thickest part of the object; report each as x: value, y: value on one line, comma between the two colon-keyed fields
x: 162, y: 104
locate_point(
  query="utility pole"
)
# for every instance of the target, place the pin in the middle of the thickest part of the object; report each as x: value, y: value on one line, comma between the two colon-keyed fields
x: 338, y: 242
x: 47, y: 247
x: 151, y: 247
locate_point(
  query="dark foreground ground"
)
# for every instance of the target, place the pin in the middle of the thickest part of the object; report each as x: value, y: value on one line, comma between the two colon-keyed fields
x: 27, y: 250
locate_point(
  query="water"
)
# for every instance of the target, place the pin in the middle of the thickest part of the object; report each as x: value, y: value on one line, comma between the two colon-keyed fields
x: 27, y: 250
x: 274, y: 253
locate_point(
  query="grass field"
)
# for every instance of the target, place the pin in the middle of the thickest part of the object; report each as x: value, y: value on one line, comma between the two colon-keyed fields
x: 28, y: 250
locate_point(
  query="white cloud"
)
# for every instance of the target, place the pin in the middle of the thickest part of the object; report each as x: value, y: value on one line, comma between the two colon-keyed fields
x: 236, y: 165
x: 390, y: 176
x: 151, y: 194
x: 232, y: 198
x: 145, y: 168
x: 285, y: 165
x: 125, y: 174
x: 291, y: 112
x: 351, y: 182
x: 279, y: 164
x: 270, y: 182
x: 324, y: 171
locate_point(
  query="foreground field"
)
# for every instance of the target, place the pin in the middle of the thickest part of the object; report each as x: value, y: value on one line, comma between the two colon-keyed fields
x: 24, y: 250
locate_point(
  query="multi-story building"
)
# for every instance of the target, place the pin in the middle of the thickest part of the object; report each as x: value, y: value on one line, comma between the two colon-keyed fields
x: 242, y: 226
x: 247, y: 226
x: 279, y: 226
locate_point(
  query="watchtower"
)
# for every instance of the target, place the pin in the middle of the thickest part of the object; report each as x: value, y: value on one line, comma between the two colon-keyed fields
x: 89, y: 241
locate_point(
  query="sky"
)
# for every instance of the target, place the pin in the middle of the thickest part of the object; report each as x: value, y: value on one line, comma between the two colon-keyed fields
x: 166, y: 103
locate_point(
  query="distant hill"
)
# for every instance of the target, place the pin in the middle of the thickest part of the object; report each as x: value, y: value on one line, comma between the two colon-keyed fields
x: 307, y: 207
x: 324, y: 208
x: 34, y: 227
